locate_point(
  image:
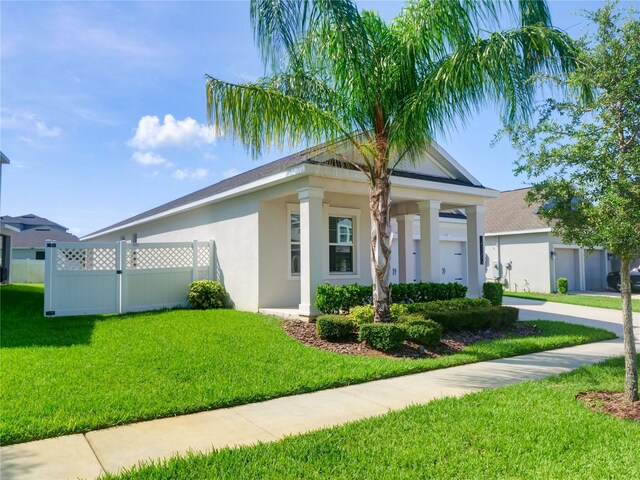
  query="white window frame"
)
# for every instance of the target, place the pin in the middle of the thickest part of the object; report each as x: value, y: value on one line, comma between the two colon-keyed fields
x: 354, y: 214
x: 292, y: 209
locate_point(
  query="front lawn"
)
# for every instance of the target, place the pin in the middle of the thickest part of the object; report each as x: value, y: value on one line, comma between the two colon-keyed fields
x: 613, y: 303
x: 75, y: 374
x: 531, y: 430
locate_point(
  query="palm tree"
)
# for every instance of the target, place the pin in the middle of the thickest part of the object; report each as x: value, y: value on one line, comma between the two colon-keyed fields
x: 386, y: 89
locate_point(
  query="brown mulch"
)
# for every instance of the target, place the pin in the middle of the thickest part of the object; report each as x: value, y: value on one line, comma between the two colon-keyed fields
x: 611, y: 403
x: 452, y: 342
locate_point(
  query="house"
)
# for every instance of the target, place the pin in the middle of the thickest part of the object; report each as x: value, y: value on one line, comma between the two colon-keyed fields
x: 28, y: 245
x: 285, y: 227
x: 523, y: 253
x: 6, y: 231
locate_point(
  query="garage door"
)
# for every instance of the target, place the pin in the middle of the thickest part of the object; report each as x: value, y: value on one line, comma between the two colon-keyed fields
x: 567, y: 266
x: 593, y: 271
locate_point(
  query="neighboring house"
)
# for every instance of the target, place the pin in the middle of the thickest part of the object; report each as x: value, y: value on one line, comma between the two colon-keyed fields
x: 526, y: 256
x: 6, y: 231
x: 283, y: 228
x: 28, y: 245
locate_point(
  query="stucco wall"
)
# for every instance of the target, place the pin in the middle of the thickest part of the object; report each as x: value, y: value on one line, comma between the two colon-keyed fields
x: 529, y: 255
x: 25, y: 253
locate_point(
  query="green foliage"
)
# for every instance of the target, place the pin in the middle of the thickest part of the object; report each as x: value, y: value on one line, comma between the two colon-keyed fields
x: 448, y: 305
x: 493, y: 291
x: 563, y: 285
x: 206, y: 294
x: 364, y: 313
x: 476, y: 319
x: 613, y: 303
x: 334, y: 327
x: 420, y: 330
x: 335, y: 299
x: 381, y: 336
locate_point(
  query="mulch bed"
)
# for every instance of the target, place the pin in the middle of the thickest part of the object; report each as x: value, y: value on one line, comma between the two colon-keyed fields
x: 611, y: 403
x: 452, y: 342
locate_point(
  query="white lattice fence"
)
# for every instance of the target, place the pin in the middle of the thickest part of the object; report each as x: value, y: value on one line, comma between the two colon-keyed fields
x: 88, y: 278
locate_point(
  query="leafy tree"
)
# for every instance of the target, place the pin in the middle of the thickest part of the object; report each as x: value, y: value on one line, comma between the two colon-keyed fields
x: 584, y: 156
x: 339, y: 74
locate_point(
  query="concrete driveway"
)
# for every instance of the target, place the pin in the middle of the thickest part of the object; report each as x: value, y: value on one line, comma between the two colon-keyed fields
x: 593, y: 317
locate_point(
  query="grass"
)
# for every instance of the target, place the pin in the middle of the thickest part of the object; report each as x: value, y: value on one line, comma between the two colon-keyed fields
x: 613, y: 303
x: 531, y: 430
x: 75, y: 374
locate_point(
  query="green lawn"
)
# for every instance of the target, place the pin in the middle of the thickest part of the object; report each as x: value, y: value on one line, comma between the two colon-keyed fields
x: 531, y: 430
x: 75, y: 374
x: 613, y: 303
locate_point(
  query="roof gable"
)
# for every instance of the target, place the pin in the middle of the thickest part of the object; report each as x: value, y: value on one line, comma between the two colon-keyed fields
x: 510, y: 213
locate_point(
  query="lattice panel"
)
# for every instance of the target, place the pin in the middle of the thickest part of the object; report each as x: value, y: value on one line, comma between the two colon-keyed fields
x: 86, y: 259
x: 203, y: 255
x: 159, y: 257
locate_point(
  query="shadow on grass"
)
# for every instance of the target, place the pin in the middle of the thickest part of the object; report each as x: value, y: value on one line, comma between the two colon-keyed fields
x: 23, y: 323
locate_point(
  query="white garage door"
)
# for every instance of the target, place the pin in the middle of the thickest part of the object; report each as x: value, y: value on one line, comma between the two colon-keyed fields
x: 567, y: 266
x: 594, y: 271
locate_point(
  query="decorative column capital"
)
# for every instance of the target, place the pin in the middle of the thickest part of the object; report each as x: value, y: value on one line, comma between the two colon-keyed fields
x: 429, y: 205
x: 307, y: 193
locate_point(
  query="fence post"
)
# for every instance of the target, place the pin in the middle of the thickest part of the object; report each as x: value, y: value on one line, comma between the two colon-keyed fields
x: 123, y: 304
x: 194, y: 266
x: 49, y: 265
x: 211, y: 259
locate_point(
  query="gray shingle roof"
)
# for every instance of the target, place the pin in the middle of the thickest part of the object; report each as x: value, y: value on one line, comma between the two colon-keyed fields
x: 36, y: 237
x: 310, y: 155
x: 30, y: 221
x: 510, y: 213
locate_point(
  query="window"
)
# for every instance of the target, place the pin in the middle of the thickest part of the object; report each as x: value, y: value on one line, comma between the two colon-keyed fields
x: 341, y: 245
x: 294, y: 229
x: 39, y: 255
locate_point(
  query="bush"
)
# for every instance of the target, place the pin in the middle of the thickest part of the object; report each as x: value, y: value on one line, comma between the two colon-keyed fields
x: 206, y: 294
x: 476, y: 319
x: 457, y: 304
x: 334, y: 327
x: 563, y: 285
x: 420, y: 330
x: 381, y: 336
x: 342, y: 298
x: 364, y: 313
x: 493, y: 292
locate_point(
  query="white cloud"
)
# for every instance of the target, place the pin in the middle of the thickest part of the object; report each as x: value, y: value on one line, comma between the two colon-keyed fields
x: 197, y: 174
x: 28, y: 122
x: 148, y: 158
x: 153, y: 134
x: 232, y: 172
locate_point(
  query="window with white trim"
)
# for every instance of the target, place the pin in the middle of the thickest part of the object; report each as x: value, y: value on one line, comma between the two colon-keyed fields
x: 341, y: 245
x: 294, y: 240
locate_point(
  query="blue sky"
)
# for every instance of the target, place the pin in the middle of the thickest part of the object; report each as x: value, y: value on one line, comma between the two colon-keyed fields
x: 103, y: 105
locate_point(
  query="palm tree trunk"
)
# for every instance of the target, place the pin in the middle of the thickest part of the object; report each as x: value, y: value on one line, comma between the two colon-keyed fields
x: 630, y: 358
x: 379, y: 207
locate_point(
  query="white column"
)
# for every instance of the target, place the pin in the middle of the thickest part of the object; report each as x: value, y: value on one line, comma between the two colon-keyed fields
x: 406, y: 261
x: 582, y: 281
x: 430, y: 240
x: 311, y: 245
x: 475, y: 250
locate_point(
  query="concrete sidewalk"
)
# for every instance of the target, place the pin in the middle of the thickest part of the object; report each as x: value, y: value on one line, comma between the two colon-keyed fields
x: 110, y: 450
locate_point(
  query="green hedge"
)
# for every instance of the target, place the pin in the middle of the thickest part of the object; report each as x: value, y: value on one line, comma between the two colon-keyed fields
x: 422, y: 331
x: 206, y: 294
x: 334, y: 327
x: 342, y: 298
x: 382, y: 336
x: 563, y: 285
x: 493, y: 291
x: 456, y: 304
x: 476, y: 319
x: 364, y: 313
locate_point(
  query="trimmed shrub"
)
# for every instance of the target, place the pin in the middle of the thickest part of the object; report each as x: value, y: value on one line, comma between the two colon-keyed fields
x: 476, y: 319
x: 493, y: 291
x: 342, y: 298
x: 420, y: 330
x: 364, y: 313
x: 381, y: 336
x: 206, y: 294
x: 457, y: 304
x: 563, y: 285
x: 334, y: 327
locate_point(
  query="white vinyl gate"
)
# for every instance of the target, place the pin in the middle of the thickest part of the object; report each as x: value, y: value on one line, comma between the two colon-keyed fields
x: 89, y: 278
